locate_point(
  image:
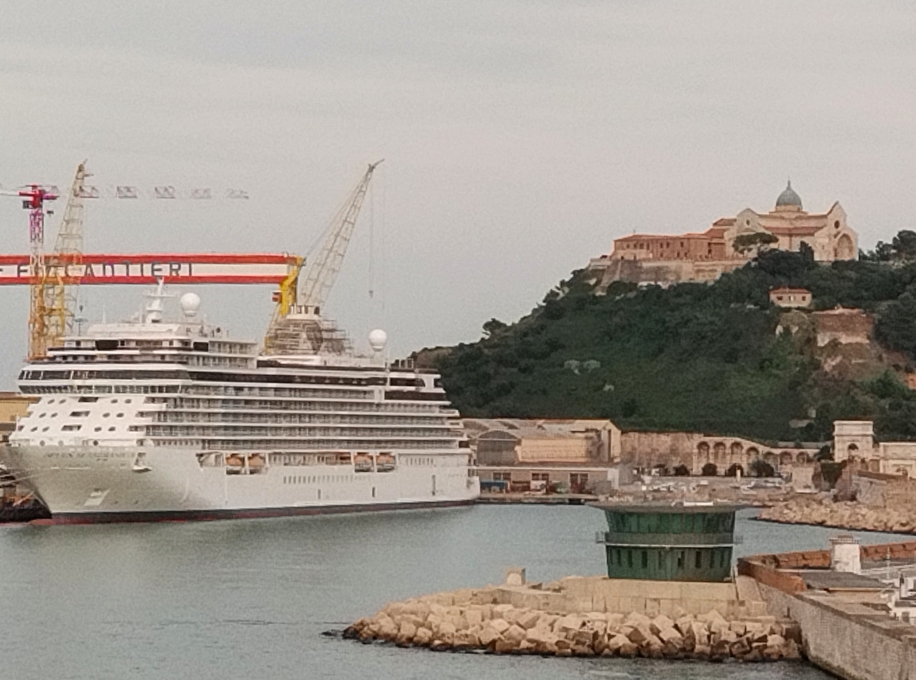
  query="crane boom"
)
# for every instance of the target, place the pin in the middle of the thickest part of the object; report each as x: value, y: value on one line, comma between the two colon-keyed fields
x: 322, y: 271
x: 57, y: 287
x: 286, y: 334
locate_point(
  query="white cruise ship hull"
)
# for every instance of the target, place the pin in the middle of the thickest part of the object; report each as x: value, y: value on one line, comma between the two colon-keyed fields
x: 105, y: 484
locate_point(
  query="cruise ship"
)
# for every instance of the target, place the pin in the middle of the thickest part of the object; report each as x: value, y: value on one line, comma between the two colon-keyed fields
x: 168, y: 420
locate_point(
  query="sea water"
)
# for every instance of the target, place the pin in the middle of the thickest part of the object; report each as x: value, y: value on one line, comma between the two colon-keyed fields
x: 250, y: 598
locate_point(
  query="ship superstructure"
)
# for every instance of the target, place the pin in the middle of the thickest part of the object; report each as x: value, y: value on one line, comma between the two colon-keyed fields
x: 155, y: 419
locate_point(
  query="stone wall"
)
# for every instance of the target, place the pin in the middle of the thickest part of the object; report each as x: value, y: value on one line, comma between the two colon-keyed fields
x: 848, y: 639
x: 693, y: 449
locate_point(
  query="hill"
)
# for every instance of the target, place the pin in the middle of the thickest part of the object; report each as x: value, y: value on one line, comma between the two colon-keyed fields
x: 700, y: 357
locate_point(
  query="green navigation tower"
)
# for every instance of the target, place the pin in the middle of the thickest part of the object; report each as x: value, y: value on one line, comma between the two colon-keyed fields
x: 669, y: 542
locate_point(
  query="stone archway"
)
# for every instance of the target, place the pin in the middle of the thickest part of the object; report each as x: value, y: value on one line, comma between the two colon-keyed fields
x: 718, y: 454
x: 852, y: 451
x: 845, y: 249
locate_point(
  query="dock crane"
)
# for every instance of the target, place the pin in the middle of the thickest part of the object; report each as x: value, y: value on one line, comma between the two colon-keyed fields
x: 59, y: 276
x: 297, y: 326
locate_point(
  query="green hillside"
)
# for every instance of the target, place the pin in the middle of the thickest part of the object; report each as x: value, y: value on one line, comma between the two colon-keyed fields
x: 702, y: 357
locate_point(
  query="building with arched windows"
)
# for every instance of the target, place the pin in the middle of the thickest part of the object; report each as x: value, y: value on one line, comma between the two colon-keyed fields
x: 854, y: 441
x: 704, y: 256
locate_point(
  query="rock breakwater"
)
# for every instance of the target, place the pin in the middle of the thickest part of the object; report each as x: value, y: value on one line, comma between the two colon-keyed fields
x: 470, y: 620
x: 842, y: 515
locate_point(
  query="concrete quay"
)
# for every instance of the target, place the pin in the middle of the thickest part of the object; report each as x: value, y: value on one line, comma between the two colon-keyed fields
x: 844, y: 606
x: 591, y: 616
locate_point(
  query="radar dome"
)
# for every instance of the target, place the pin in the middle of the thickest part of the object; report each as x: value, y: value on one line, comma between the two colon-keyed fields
x: 378, y: 339
x: 190, y: 304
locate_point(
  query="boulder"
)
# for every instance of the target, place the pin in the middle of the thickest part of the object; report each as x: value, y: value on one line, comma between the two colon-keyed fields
x: 628, y: 650
x: 528, y: 619
x: 502, y: 646
x: 473, y: 616
x: 671, y: 635
x: 615, y: 642
x: 488, y: 636
x: 791, y: 650
x: 640, y: 634
x: 406, y: 633
x: 423, y: 637
x: 660, y: 623
x: 499, y: 625
x: 515, y: 634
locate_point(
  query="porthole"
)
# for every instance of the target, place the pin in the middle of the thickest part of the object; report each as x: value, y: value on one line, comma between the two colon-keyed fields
x: 114, y: 401
x: 98, y: 429
x: 120, y: 415
x: 42, y: 415
x: 44, y: 429
x: 111, y: 429
x: 127, y: 401
x: 106, y: 415
x: 95, y: 442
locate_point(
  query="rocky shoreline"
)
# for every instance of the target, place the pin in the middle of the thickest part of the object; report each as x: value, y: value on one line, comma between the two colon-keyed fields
x: 471, y: 620
x: 842, y: 515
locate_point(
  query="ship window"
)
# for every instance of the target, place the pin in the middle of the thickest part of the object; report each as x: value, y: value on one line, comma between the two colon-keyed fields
x: 120, y: 415
x: 42, y: 415
x: 71, y: 428
x: 79, y: 414
x: 88, y: 400
x: 111, y: 429
x: 44, y: 429
x: 106, y: 415
x: 98, y: 429
x: 33, y: 429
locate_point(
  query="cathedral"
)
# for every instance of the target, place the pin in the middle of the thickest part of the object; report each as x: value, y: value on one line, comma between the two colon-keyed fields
x: 703, y: 256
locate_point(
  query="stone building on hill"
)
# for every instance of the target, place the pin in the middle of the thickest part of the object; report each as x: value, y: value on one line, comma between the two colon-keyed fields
x: 854, y: 441
x: 704, y: 256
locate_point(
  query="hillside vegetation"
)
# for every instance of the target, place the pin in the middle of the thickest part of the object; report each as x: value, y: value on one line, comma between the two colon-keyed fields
x: 699, y: 357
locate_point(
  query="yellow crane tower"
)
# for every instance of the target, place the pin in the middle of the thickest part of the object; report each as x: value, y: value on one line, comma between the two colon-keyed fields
x: 297, y: 326
x: 55, y: 284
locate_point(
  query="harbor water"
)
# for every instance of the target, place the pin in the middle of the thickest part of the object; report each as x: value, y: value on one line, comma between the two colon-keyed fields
x: 250, y: 598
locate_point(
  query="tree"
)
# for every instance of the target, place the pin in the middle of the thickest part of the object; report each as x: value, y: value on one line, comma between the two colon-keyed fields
x: 710, y: 470
x: 757, y: 240
x: 681, y: 471
x: 904, y: 245
x: 733, y: 470
x: 824, y: 453
x: 493, y: 327
x: 760, y: 468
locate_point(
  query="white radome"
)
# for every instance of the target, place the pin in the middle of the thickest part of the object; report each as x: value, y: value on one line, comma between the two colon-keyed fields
x: 190, y: 304
x: 378, y: 339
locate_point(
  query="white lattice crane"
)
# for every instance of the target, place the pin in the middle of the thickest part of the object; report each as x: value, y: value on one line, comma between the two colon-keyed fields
x: 59, y: 275
x: 296, y: 325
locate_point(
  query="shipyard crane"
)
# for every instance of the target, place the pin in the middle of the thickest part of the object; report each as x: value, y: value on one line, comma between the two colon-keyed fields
x: 35, y: 196
x: 55, y: 287
x: 304, y: 300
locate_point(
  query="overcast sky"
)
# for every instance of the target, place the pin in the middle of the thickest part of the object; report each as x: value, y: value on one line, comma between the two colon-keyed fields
x: 520, y: 138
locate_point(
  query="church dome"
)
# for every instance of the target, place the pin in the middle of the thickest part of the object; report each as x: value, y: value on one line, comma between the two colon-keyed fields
x: 788, y: 198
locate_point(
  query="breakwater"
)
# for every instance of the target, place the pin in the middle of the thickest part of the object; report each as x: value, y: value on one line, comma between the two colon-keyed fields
x: 844, y: 515
x: 560, y: 622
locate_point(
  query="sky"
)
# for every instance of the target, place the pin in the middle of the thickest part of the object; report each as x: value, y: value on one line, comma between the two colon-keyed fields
x: 520, y: 137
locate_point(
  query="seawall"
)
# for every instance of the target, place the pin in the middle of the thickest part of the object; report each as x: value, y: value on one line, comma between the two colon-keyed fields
x: 845, y: 629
